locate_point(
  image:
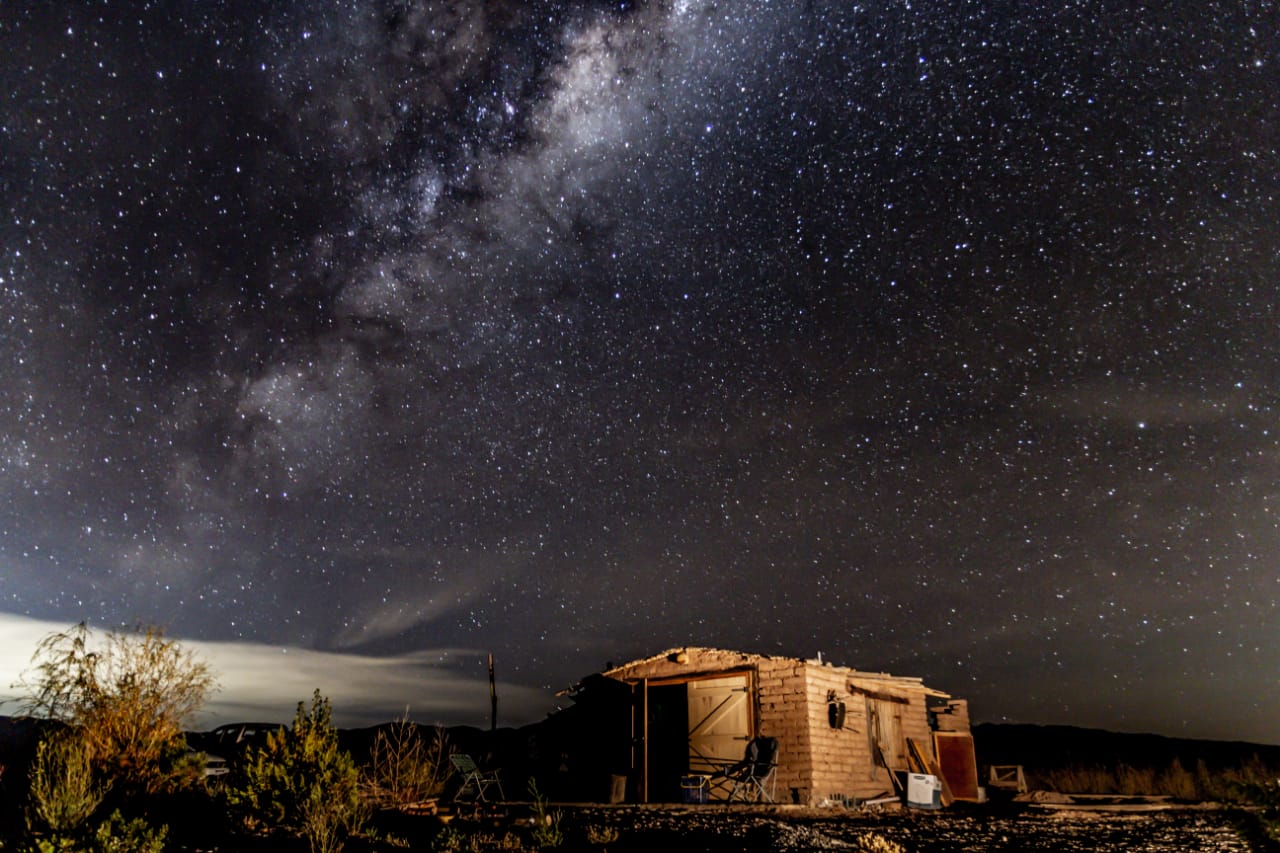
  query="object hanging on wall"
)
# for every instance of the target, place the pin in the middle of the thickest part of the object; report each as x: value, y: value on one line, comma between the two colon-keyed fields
x: 835, y: 711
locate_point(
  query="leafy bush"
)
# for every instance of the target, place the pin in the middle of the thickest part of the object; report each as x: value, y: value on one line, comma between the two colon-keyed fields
x: 404, y: 768
x: 129, y: 696
x: 302, y: 783
x: 118, y: 835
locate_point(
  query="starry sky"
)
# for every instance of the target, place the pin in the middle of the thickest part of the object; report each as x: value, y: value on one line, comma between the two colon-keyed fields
x: 353, y: 340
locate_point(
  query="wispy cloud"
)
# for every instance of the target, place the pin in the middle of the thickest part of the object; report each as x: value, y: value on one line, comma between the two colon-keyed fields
x: 265, y: 683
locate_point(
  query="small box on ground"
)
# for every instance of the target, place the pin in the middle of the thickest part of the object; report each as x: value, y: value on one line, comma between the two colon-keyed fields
x: 695, y: 789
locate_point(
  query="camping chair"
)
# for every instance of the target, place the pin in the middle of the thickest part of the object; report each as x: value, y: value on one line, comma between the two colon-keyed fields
x: 474, y: 780
x: 755, y: 776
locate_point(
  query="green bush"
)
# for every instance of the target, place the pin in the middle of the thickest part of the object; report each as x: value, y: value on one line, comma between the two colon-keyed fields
x: 54, y: 844
x: 64, y: 793
x: 118, y: 835
x: 302, y: 783
x: 114, y: 835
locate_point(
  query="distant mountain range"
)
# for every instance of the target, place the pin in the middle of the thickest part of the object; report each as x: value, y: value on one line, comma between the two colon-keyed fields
x: 1053, y: 747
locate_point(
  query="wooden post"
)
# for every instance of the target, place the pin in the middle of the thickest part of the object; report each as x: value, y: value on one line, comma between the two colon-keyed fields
x: 644, y: 740
x: 493, y: 698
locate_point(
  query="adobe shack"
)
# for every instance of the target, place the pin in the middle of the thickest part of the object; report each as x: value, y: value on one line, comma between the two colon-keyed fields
x: 841, y: 732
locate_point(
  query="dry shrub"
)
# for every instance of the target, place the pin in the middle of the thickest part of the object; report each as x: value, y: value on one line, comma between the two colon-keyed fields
x: 484, y: 841
x: 601, y: 835
x: 1077, y: 780
x: 406, y: 768
x: 128, y: 695
x: 1174, y: 780
x: 872, y: 842
x: 1136, y: 781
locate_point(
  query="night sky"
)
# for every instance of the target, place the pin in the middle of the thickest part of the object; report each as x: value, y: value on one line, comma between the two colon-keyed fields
x: 353, y: 340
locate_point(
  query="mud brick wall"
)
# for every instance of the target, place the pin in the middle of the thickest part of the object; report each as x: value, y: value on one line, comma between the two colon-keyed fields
x: 781, y: 688
x: 842, y: 763
x: 955, y: 718
x: 815, y: 761
x: 915, y: 723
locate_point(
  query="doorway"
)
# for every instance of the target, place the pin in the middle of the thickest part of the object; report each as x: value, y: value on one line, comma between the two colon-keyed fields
x: 695, y: 726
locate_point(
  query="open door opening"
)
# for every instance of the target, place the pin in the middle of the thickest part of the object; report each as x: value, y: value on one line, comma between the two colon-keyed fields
x: 667, y: 748
x: 694, y: 726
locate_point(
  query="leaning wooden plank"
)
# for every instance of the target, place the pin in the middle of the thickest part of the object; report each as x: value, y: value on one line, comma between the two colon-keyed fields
x: 959, y: 767
x: 913, y: 748
x: 893, y: 777
x: 914, y: 762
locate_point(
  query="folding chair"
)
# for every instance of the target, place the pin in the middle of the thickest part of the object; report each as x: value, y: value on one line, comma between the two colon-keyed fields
x: 755, y: 776
x: 474, y: 780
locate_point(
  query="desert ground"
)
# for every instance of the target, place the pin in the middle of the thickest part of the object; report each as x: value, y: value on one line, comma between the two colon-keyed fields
x: 720, y: 829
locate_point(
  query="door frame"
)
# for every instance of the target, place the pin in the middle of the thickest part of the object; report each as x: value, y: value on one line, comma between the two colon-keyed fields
x: 640, y: 713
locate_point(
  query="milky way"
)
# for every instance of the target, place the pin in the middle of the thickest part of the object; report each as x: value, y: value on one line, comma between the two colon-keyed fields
x: 941, y: 338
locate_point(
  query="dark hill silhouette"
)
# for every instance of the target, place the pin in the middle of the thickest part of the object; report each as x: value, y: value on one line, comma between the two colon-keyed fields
x: 1057, y: 747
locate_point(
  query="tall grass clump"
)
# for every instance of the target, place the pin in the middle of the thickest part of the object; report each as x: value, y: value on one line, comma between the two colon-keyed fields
x: 546, y: 829
x: 1243, y: 784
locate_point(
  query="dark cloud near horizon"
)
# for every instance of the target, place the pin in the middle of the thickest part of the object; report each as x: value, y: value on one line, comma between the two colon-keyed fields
x: 935, y: 336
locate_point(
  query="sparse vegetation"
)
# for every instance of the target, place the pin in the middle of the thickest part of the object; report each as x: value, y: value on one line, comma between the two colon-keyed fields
x: 447, y: 839
x: 601, y: 836
x: 376, y: 836
x: 482, y: 842
x: 1231, y: 785
x: 1252, y: 784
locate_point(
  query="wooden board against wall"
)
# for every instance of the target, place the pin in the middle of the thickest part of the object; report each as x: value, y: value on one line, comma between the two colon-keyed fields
x: 958, y: 764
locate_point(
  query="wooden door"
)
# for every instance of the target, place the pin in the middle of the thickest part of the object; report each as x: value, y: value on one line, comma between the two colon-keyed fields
x: 720, y: 721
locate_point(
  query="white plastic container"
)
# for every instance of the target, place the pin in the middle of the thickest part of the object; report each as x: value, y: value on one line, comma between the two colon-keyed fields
x: 924, y: 791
